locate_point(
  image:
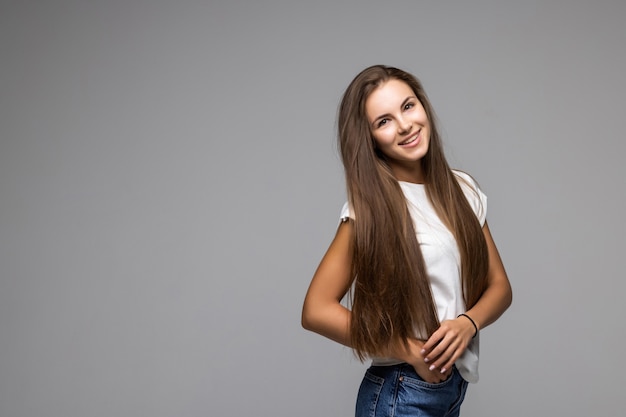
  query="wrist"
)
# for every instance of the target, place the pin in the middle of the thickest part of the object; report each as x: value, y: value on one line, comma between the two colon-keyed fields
x: 471, y: 320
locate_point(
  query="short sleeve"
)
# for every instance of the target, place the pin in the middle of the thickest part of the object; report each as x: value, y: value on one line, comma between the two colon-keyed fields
x: 474, y: 195
x: 346, y: 213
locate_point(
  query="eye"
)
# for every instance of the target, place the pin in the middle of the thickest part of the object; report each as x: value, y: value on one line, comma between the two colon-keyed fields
x: 382, y: 122
x: 409, y: 105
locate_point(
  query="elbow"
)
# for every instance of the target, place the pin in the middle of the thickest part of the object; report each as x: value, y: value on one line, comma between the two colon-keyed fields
x: 313, y: 317
x: 305, y: 322
x: 306, y: 319
x: 510, y: 297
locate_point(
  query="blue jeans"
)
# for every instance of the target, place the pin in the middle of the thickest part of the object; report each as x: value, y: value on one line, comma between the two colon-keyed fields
x: 397, y: 391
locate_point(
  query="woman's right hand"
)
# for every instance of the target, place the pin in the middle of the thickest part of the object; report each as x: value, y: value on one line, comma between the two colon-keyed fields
x: 323, y: 312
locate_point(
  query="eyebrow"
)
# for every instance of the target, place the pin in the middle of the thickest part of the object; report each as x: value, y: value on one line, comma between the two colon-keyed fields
x: 383, y: 116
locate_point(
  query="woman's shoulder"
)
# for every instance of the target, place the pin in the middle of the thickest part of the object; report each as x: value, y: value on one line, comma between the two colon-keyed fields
x: 346, y: 213
x: 473, y: 193
x: 465, y: 179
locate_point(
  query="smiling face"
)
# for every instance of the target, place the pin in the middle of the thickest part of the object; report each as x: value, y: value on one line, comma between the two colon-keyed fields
x: 400, y: 128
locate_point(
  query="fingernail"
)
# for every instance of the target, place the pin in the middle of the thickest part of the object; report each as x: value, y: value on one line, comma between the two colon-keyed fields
x: 443, y: 370
x: 431, y: 367
x: 423, y: 351
x: 426, y: 359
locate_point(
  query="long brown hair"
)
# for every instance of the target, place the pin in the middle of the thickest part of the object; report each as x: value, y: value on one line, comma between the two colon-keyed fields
x: 391, y: 296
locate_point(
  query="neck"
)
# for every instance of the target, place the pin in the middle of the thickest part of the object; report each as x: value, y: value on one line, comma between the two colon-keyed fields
x: 408, y: 173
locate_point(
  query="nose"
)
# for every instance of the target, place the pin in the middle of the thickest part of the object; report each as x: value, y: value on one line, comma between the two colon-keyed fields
x: 404, y: 126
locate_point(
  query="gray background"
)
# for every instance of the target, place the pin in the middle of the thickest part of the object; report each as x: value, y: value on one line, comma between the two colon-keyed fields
x: 169, y: 182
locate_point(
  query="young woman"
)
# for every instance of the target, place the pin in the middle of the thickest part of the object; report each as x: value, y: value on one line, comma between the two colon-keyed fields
x: 414, y: 250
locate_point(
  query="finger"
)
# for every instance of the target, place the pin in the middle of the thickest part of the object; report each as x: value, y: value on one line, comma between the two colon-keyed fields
x: 445, y: 374
x: 440, y: 349
x: 433, y: 341
x: 447, y: 366
x: 448, y: 350
x: 436, y: 338
x: 441, y: 376
x: 447, y: 356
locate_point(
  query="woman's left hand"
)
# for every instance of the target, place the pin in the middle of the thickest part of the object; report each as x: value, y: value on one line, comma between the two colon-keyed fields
x: 448, y: 343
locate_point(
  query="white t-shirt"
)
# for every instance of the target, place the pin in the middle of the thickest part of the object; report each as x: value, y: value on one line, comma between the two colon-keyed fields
x: 443, y: 260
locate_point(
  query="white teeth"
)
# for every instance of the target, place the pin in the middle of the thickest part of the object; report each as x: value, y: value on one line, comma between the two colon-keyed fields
x: 413, y: 139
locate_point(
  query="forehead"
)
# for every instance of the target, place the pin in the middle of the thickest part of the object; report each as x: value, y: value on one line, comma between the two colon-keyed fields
x: 387, y: 98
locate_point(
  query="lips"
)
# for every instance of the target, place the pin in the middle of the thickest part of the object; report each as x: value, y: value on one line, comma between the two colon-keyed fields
x: 410, y: 139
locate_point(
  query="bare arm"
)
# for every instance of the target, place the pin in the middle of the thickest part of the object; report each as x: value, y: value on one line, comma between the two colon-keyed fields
x: 445, y: 346
x: 322, y: 311
x: 498, y: 295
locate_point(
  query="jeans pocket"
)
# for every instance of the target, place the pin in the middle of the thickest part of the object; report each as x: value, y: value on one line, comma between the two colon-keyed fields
x: 418, y: 397
x: 369, y: 393
x: 417, y: 382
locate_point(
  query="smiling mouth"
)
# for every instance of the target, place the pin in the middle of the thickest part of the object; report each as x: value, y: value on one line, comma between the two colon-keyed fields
x: 410, y: 139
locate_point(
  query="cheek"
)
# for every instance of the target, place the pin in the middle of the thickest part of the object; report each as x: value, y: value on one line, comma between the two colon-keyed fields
x: 383, y: 138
